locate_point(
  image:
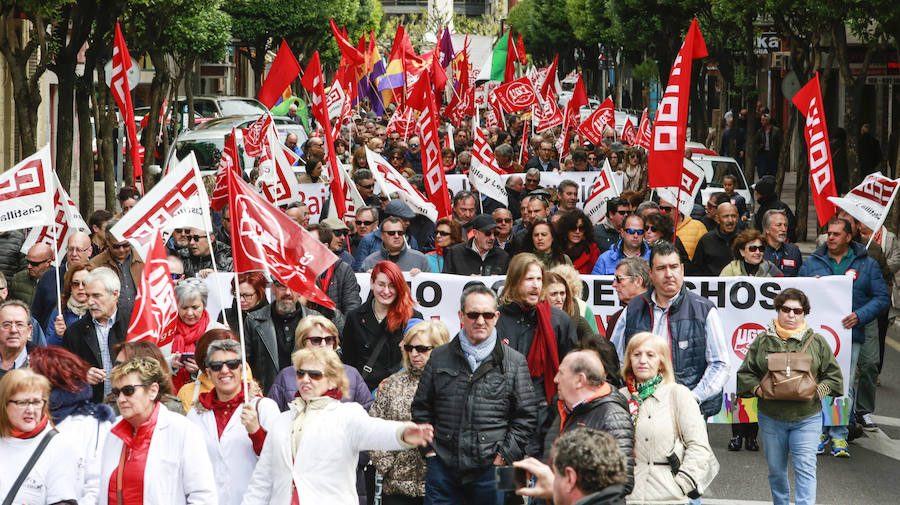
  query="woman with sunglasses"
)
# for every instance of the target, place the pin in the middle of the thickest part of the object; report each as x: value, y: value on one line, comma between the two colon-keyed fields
x: 545, y: 244
x: 74, y: 301
x: 24, y: 423
x: 447, y: 232
x: 152, y: 456
x: 144, y: 349
x: 636, y: 177
x: 748, y: 248
x: 373, y: 330
x: 790, y: 427
x: 311, y: 452
x: 251, y: 290
x: 193, y: 321
x: 234, y: 428
x: 658, y: 227
x: 580, y: 247
x: 404, y: 471
x: 190, y: 392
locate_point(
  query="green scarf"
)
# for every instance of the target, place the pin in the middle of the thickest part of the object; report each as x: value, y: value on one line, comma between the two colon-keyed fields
x: 639, y: 393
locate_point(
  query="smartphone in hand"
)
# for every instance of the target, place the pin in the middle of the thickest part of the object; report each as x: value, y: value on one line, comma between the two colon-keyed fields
x: 509, y: 478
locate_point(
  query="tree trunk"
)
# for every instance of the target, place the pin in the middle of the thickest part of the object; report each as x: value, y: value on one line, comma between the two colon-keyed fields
x: 83, y: 91
x: 784, y: 157
x: 26, y: 90
x: 258, y: 63
x: 697, y: 102
x: 802, y: 196
x: 158, y: 90
x: 65, y: 120
x: 105, y: 118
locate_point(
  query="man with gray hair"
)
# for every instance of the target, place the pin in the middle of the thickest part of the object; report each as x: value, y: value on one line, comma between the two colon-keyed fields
x: 787, y: 257
x: 93, y: 337
x: 78, y: 252
x: 15, y: 328
x: 504, y: 154
x: 568, y: 196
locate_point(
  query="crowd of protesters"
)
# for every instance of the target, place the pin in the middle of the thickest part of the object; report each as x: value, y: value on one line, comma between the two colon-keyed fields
x: 341, y: 399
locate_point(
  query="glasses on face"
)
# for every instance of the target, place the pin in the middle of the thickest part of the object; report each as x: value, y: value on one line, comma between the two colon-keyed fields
x: 329, y: 340
x: 755, y: 248
x: 182, y: 231
x: 622, y: 212
x: 413, y: 146
x: 123, y: 245
x: 787, y: 310
x: 175, y: 277
x: 367, y: 186
x: 421, y: 349
x: 77, y: 284
x: 592, y: 158
x: 393, y: 233
x: 501, y: 220
x: 532, y: 181
x: 580, y: 227
x: 24, y: 404
x: 441, y: 233
x: 36, y: 263
x: 365, y: 223
x: 396, y: 157
x: 634, y: 231
x: 652, y: 229
x: 313, y: 374
x: 195, y: 238
x: 667, y: 209
x: 78, y: 249
x: 19, y: 325
x: 486, y: 315
x: 621, y: 278
x: 126, y: 390
x: 216, y: 366
x: 489, y: 233
x: 4, y: 288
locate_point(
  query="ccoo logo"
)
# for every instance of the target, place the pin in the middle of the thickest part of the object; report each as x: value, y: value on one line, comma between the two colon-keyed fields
x: 743, y: 336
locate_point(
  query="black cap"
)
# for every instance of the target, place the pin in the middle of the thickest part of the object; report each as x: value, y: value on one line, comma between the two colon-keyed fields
x: 483, y: 222
x: 765, y: 186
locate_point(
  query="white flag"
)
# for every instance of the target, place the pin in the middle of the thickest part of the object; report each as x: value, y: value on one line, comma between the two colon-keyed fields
x: 392, y: 182
x: 26, y: 193
x: 178, y: 200
x: 691, y: 177
x: 66, y: 221
x: 276, y: 181
x: 484, y: 174
x: 604, y: 189
x: 870, y: 201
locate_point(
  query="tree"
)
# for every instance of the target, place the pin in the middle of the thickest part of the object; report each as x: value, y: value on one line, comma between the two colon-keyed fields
x: 544, y: 25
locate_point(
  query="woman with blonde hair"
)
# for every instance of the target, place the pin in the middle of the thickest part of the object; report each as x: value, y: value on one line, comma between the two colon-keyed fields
x: 404, y: 471
x: 673, y: 460
x: 576, y: 286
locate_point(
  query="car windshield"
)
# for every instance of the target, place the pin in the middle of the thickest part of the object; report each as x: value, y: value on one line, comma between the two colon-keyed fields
x: 241, y: 107
x: 723, y: 168
x: 207, y: 151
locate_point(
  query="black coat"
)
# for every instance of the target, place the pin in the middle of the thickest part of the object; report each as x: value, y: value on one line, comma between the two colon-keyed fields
x: 608, y: 413
x: 81, y: 340
x: 343, y: 289
x: 476, y: 416
x: 461, y: 259
x: 713, y: 253
x: 361, y: 334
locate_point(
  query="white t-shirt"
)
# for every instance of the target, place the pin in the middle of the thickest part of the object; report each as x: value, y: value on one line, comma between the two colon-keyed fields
x: 51, y: 480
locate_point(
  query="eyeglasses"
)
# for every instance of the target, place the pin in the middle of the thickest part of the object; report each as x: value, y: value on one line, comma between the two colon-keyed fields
x: 76, y: 284
x: 24, y: 404
x: 182, y: 230
x: 755, y: 248
x: 19, y: 325
x: 441, y: 233
x: 330, y: 340
x: 216, y: 366
x: 787, y: 310
x: 500, y: 220
x: 175, y: 277
x: 421, y: 349
x: 126, y: 390
x: 652, y: 228
x: 365, y: 223
x: 632, y: 231
x: 123, y: 245
x: 529, y: 180
x: 78, y: 249
x: 413, y: 146
x: 486, y: 315
x: 367, y: 186
x: 666, y: 208
x: 489, y: 233
x: 621, y: 278
x: 392, y: 233
x: 195, y: 238
x: 32, y: 263
x: 623, y: 212
x: 313, y: 374
x: 580, y: 227
x: 396, y: 157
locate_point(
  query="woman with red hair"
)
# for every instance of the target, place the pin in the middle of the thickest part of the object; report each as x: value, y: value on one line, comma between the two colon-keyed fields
x: 371, y: 339
x: 73, y: 413
x: 251, y: 294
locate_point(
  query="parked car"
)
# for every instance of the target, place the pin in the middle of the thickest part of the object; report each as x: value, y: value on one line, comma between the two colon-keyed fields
x: 209, y: 107
x: 715, y: 168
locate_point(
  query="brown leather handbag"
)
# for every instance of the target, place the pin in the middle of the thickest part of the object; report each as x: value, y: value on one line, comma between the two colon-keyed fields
x: 788, y: 376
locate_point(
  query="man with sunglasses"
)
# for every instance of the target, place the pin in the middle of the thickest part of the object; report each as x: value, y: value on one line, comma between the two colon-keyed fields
x: 394, y: 249
x: 504, y: 219
x: 414, y: 153
x: 23, y: 284
x: 374, y: 242
x: 338, y: 280
x: 204, y: 248
x: 365, y: 184
x: 178, y: 244
x: 714, y: 248
x: 122, y: 258
x: 630, y: 245
x: 480, y: 255
x: 78, y: 252
x: 478, y: 394
x: 609, y: 231
x: 366, y: 222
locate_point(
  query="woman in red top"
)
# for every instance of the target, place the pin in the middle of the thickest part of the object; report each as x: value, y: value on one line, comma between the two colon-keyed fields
x: 575, y: 227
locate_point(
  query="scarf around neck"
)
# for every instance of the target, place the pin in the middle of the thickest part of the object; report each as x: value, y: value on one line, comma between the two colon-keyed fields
x: 639, y: 393
x: 306, y: 411
x: 543, y: 357
x: 33, y: 433
x: 476, y: 354
x: 786, y: 333
x: 66, y: 403
x: 189, y: 335
x: 77, y: 308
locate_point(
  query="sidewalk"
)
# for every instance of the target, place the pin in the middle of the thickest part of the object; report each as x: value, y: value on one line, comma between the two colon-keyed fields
x: 788, y: 196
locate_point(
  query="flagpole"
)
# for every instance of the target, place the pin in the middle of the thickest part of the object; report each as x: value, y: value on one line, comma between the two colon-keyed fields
x: 208, y: 218
x: 677, y: 211
x: 240, y: 312
x: 56, y: 256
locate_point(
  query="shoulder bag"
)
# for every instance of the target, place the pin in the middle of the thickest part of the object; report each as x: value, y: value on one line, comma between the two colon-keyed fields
x: 35, y: 456
x: 788, y: 376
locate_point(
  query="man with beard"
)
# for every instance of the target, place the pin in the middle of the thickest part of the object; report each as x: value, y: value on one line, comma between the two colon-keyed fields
x: 785, y: 256
x: 480, y: 255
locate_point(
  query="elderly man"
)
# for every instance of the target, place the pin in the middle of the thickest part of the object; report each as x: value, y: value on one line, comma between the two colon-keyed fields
x: 291, y: 143
x: 764, y: 193
x: 787, y: 257
x: 714, y: 248
x: 78, y: 252
x: 123, y: 259
x: 504, y: 220
x: 464, y: 208
x: 299, y: 212
x: 504, y: 154
x: 394, y: 249
x: 586, y: 400
x: 373, y: 242
x: 689, y: 321
x: 205, y: 248
x: 15, y: 328
x: 178, y: 244
x: 631, y: 245
x: 23, y: 284
x: 632, y: 278
x: 477, y: 393
x: 365, y: 184
x: 92, y: 338
x: 366, y: 222
x: 532, y: 180
x: 480, y: 255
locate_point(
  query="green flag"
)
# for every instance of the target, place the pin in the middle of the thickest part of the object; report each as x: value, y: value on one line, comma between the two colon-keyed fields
x: 498, y: 58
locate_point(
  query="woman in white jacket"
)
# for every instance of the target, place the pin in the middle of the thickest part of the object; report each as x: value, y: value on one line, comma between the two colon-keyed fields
x: 153, y: 456
x: 233, y: 430
x: 672, y: 457
x: 312, y: 449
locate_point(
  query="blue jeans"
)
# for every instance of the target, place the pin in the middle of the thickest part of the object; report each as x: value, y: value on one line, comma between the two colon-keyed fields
x: 799, y: 439
x: 841, y: 432
x: 441, y: 488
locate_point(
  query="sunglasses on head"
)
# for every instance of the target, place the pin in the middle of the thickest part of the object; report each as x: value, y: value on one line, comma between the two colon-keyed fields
x: 313, y: 374
x: 126, y: 390
x: 755, y: 248
x: 486, y: 315
x: 633, y: 231
x: 393, y: 233
x: 318, y: 340
x: 788, y: 310
x: 216, y: 366
x: 421, y: 349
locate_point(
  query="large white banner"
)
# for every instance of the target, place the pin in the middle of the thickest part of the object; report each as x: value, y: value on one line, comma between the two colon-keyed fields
x: 585, y: 181
x: 744, y: 305
x: 26, y: 193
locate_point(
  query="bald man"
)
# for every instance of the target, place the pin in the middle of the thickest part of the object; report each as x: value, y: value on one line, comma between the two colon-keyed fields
x: 714, y: 249
x: 24, y: 283
x: 78, y: 252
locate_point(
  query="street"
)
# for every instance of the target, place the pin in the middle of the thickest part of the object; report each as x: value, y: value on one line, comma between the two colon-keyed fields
x: 869, y: 477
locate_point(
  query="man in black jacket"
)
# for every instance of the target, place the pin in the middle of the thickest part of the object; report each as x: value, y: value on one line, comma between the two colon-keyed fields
x: 477, y: 394
x: 586, y: 400
x: 714, y: 249
x: 480, y: 254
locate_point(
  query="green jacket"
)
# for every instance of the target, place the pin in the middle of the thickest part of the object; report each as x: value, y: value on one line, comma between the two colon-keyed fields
x: 824, y: 368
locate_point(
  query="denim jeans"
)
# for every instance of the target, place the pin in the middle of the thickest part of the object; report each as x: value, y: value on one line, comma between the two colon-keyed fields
x: 799, y: 439
x: 442, y: 488
x: 841, y: 432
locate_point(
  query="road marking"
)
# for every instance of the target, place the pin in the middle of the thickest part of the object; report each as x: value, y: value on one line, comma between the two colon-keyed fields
x: 893, y: 343
x: 877, y: 441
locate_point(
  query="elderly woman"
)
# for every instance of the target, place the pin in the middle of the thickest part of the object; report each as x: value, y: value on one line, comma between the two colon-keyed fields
x: 124, y: 351
x: 748, y: 247
x: 190, y: 392
x: 73, y: 413
x: 543, y: 243
x: 576, y: 229
x: 166, y: 460
x: 791, y: 427
x: 251, y: 294
x: 74, y: 301
x: 234, y: 429
x: 311, y: 452
x: 447, y: 232
x: 24, y: 424
x: 672, y: 454
x: 404, y: 472
x: 312, y: 332
x: 193, y: 321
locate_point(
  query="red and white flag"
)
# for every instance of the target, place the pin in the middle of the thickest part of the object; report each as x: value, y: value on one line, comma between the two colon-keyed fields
x: 670, y: 126
x: 516, y: 95
x: 390, y: 181
x: 254, y: 136
x: 155, y: 310
x: 549, y: 114
x: 484, y: 174
x: 403, y: 121
x: 228, y: 161
x: 645, y: 132
x: 263, y: 238
x: 462, y: 104
x: 870, y: 201
x: 277, y: 181
x: 691, y: 177
x: 121, y: 92
x: 604, y: 189
x: 595, y: 125
x: 26, y: 193
x: 422, y: 99
x: 628, y: 134
x: 67, y: 220
x: 494, y: 117
x: 809, y: 101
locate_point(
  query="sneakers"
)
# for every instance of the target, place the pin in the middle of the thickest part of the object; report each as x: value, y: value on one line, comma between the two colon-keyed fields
x: 866, y: 421
x: 823, y: 439
x: 839, y: 448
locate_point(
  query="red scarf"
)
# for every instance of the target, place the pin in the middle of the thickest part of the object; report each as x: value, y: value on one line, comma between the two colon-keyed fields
x: 331, y: 393
x: 35, y: 432
x: 543, y: 357
x: 585, y: 262
x: 221, y: 410
x: 186, y: 336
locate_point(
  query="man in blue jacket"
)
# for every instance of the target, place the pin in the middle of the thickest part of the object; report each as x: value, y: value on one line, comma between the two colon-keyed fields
x: 630, y: 245
x: 841, y: 256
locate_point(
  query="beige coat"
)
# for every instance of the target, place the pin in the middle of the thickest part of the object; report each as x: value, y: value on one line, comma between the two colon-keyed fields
x: 655, y: 437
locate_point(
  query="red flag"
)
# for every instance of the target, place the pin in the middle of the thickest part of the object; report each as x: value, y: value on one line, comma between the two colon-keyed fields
x: 573, y: 107
x: 283, y: 72
x: 670, y: 126
x: 403, y: 121
x: 509, y: 71
x: 548, y: 115
x: 516, y: 95
x: 155, y: 309
x: 264, y: 238
x: 645, y: 132
x: 463, y: 102
x: 809, y: 101
x: 495, y: 112
x: 628, y: 133
x: 523, y: 153
x: 549, y: 84
x: 229, y: 161
x: 520, y: 50
x: 353, y: 55
x: 121, y: 92
x: 421, y: 98
x: 595, y: 124
x: 254, y: 136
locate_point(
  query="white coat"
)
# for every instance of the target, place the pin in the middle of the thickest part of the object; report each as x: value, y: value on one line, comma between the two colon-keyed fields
x: 324, y: 470
x: 87, y: 434
x: 178, y: 470
x: 232, y: 455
